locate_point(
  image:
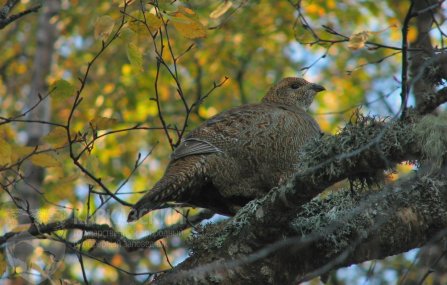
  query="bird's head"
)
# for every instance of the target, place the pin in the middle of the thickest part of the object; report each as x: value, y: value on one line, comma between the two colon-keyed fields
x: 293, y: 91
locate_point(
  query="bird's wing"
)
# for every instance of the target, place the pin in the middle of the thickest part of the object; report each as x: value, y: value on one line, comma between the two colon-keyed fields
x: 209, y: 136
x: 192, y: 146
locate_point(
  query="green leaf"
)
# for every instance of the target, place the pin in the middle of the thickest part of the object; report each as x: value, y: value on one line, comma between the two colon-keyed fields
x: 5, y: 153
x: 64, y: 186
x: 62, y: 89
x: 126, y: 34
x: 57, y: 137
x: 45, y: 160
x: 221, y: 9
x: 358, y: 40
x: 134, y: 56
x: 153, y: 22
x: 104, y: 27
x: 187, y: 24
x: 92, y: 163
x: 103, y: 123
x: 20, y: 152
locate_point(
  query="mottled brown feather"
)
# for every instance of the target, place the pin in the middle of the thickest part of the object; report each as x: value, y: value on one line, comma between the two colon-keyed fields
x: 239, y: 154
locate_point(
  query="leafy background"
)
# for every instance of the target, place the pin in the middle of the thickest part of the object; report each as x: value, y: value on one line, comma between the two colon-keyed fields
x: 252, y: 43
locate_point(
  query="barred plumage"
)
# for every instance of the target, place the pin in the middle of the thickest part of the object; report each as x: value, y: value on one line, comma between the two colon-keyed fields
x: 238, y: 155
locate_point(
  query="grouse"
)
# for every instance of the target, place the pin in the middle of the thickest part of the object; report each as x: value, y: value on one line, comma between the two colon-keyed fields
x: 239, y: 154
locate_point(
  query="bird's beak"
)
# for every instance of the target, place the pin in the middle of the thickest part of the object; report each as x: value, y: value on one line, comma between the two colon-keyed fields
x: 317, y: 87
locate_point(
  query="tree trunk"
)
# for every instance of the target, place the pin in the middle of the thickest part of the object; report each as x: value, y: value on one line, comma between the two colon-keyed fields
x: 46, y: 37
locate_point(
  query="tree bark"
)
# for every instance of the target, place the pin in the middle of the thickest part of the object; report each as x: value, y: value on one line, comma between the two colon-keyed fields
x: 287, y: 237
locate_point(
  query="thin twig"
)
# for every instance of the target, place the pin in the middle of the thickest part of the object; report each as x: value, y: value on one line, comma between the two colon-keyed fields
x: 404, y: 75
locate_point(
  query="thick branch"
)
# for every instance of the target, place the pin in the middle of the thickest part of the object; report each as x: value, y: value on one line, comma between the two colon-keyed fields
x: 104, y: 232
x: 424, y: 11
x: 432, y: 101
x: 353, y: 229
x: 336, y: 231
x: 363, y: 148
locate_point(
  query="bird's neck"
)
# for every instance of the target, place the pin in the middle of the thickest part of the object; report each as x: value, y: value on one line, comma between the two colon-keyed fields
x: 271, y: 98
x: 289, y: 107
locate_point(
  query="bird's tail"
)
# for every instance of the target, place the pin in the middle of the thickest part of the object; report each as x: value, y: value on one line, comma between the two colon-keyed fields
x: 142, y: 207
x: 180, y: 175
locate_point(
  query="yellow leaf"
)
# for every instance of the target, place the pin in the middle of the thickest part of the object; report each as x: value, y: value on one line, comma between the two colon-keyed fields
x: 62, y: 89
x: 207, y: 113
x: 117, y: 260
x: 57, y: 137
x: 358, y: 40
x: 108, y: 88
x: 412, y: 34
x: 104, y: 27
x: 172, y: 218
x: 64, y: 186
x: 55, y: 174
x: 137, y: 27
x: 314, y: 9
x: 331, y: 4
x: 43, y: 215
x: 221, y: 9
x: 70, y: 178
x: 135, y: 56
x: 126, y: 34
x: 401, y: 170
x: 186, y: 10
x: 103, y: 123
x: 45, y: 160
x: 91, y: 162
x: 5, y: 153
x: 188, y: 27
x: 20, y: 152
x: 153, y: 22
x: 87, y: 179
x: 128, y: 3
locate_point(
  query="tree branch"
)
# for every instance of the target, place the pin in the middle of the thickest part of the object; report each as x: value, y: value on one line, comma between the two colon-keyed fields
x: 5, y: 10
x: 432, y: 101
x: 332, y: 232
x: 104, y: 232
x: 235, y: 250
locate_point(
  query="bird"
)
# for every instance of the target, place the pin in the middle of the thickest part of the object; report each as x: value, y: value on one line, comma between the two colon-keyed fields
x: 237, y: 155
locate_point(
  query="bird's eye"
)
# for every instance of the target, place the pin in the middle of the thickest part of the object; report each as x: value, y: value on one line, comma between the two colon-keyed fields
x: 295, y: 86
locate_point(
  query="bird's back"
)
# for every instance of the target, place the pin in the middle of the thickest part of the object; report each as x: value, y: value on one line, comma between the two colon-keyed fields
x: 253, y: 128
